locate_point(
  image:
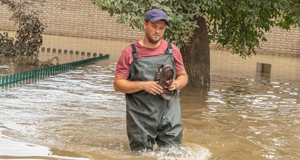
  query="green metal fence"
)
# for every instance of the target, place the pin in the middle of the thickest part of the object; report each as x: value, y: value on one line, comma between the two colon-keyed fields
x: 44, y: 72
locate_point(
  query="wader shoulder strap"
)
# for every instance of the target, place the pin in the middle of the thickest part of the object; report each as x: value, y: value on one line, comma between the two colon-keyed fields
x: 169, y: 50
x: 135, y: 57
x: 134, y: 53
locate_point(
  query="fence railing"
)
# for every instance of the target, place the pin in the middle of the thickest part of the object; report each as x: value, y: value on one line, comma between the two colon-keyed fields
x: 45, y: 71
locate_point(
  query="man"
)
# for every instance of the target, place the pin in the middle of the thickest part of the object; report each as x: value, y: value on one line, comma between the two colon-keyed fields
x: 150, y: 118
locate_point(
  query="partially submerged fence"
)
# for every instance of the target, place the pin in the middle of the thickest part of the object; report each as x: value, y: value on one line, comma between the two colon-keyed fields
x: 45, y: 71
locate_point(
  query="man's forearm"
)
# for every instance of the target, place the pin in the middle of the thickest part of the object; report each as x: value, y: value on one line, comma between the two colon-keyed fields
x: 127, y: 86
x: 182, y: 81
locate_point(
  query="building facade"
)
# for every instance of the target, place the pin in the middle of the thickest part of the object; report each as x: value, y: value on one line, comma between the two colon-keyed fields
x: 81, y: 18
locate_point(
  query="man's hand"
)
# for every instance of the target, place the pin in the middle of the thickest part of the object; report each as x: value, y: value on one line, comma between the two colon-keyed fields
x: 126, y: 86
x: 180, y: 81
x: 153, y: 88
x: 173, y: 85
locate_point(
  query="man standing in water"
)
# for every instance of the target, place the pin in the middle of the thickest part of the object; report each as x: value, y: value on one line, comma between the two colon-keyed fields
x: 151, y: 117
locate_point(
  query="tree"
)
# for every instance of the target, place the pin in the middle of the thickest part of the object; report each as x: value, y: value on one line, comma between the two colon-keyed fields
x: 25, y: 47
x: 234, y: 24
x: 29, y: 34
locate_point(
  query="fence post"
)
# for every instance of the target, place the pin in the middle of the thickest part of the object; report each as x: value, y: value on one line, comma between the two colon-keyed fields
x: 6, y: 82
x: 10, y: 78
x: 0, y: 80
x: 3, y: 80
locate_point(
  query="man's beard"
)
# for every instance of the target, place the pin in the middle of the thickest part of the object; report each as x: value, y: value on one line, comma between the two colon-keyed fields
x: 151, y: 40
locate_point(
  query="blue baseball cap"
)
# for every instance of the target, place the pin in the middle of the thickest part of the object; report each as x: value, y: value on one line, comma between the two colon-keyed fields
x: 155, y: 15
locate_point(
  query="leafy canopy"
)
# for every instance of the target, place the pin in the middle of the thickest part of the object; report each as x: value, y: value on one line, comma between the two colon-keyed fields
x: 237, y: 25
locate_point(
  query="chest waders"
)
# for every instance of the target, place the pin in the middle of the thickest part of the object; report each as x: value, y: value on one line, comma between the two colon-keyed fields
x: 150, y: 118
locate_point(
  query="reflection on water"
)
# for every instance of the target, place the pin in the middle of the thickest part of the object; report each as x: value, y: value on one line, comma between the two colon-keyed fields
x: 113, y: 48
x: 244, y: 115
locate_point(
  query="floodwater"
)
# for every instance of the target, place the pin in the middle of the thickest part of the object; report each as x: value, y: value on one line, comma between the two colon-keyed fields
x: 78, y: 115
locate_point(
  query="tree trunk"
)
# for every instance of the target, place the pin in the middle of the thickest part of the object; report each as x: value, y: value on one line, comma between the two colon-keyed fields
x: 196, y: 57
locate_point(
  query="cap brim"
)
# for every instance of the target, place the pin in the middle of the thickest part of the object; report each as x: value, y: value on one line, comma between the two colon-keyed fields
x: 155, y: 19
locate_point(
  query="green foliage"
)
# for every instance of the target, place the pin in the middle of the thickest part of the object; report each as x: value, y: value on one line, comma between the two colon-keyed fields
x: 290, y: 14
x: 237, y: 25
x: 7, y: 47
x: 240, y: 25
x: 29, y: 35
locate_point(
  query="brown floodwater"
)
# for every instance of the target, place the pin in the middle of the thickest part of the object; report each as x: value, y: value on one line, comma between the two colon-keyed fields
x: 78, y: 115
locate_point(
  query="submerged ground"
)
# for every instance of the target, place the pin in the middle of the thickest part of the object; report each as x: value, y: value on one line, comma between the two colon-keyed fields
x: 78, y: 115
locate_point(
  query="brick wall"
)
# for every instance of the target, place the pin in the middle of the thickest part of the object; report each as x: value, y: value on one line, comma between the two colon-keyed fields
x: 279, y: 42
x: 78, y: 18
x: 5, y: 23
x: 81, y: 18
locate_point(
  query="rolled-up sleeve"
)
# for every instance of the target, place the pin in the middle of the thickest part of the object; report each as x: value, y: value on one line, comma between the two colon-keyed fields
x: 178, y: 59
x: 123, y: 64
